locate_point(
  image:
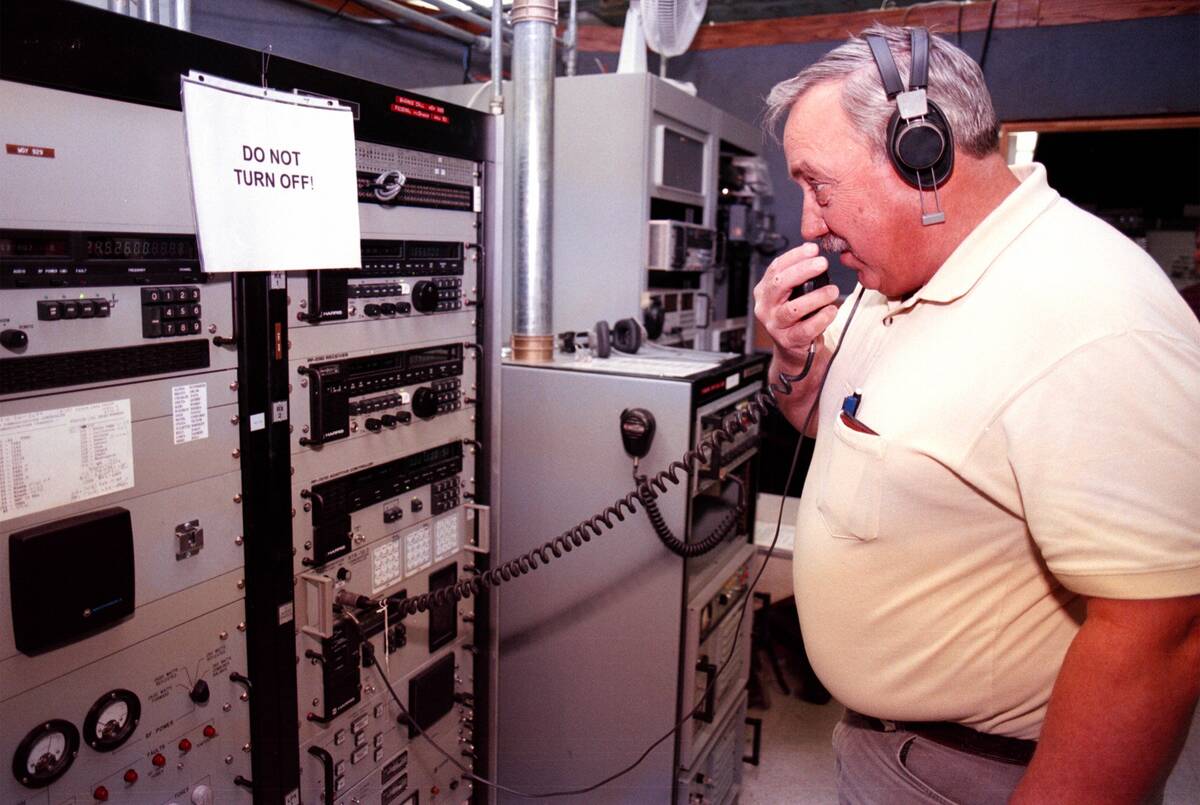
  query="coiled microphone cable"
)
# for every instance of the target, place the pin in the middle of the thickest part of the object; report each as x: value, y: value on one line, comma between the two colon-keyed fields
x: 576, y: 536
x: 673, y: 543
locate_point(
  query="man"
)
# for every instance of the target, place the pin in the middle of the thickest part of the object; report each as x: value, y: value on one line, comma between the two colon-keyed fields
x: 998, y: 550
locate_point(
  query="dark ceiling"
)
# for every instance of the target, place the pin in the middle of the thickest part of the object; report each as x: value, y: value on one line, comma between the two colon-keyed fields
x: 612, y: 12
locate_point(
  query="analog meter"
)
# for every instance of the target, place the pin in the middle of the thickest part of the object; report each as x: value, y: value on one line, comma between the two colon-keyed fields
x: 112, y: 719
x: 46, y: 753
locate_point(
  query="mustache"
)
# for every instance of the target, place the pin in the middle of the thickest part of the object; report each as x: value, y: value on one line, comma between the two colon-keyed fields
x: 832, y: 243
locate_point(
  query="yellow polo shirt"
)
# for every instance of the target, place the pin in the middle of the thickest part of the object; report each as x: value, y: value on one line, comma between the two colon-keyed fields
x: 1037, y: 411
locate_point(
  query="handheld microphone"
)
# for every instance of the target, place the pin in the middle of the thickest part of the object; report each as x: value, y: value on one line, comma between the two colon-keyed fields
x: 808, y: 286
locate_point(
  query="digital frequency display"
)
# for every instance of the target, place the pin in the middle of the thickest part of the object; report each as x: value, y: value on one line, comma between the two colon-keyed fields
x: 139, y: 247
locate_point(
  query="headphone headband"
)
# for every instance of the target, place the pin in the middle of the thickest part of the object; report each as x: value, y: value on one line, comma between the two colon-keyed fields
x: 918, y: 76
x: 888, y: 73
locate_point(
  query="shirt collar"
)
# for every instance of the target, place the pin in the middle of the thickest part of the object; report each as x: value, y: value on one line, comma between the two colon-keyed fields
x: 972, y: 258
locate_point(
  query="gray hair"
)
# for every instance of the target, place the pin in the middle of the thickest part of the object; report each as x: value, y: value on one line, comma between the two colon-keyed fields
x: 955, y: 84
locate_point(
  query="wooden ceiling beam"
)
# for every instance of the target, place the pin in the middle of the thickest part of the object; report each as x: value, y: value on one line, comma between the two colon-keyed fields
x: 941, y: 18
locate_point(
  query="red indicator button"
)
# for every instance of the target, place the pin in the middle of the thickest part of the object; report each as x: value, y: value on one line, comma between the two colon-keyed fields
x: 185, y: 745
x: 435, y: 791
x: 159, y: 760
x: 101, y: 793
x: 131, y: 776
x: 210, y: 731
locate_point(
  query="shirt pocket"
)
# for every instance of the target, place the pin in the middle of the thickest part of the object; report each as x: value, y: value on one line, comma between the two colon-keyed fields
x: 851, y: 486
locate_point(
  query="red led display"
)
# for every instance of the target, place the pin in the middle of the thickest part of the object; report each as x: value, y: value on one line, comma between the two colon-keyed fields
x: 421, y: 109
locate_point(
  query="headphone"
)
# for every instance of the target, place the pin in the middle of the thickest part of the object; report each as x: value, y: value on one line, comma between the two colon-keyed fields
x: 623, y: 336
x: 919, y: 141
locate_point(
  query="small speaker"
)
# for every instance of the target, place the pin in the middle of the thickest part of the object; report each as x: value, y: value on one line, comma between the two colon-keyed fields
x: 70, y: 578
x: 431, y: 694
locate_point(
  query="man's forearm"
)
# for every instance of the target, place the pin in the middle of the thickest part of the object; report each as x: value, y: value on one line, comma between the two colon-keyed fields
x: 1121, y: 705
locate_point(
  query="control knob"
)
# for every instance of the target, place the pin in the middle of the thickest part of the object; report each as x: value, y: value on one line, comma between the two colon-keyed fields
x: 424, y: 403
x: 425, y: 297
x: 16, y: 339
x: 199, y: 692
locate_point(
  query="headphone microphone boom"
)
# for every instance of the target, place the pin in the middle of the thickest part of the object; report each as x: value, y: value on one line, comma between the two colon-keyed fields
x: 919, y: 141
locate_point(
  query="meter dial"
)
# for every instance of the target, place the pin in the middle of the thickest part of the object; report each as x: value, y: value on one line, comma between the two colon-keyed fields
x: 112, y: 719
x: 46, y: 753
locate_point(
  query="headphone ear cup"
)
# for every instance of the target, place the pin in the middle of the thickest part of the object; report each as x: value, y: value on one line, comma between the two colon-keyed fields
x: 602, y: 340
x: 627, y: 335
x: 923, y: 147
x: 919, y: 145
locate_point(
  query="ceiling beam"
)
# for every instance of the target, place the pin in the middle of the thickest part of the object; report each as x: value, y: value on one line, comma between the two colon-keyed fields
x: 940, y: 18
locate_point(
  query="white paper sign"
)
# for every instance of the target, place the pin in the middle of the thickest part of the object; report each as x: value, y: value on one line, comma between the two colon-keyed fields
x: 273, y: 178
x: 189, y: 410
x: 64, y: 455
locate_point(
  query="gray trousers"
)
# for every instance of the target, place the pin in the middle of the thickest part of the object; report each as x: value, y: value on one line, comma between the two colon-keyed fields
x: 902, y: 768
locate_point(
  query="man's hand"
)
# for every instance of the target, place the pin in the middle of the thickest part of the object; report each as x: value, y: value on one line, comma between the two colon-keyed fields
x: 791, y: 335
x: 1122, y: 704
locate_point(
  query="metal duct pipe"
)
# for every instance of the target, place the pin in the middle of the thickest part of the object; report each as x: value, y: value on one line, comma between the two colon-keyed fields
x: 496, y: 106
x: 534, y: 23
x: 182, y: 16
x: 572, y: 37
x: 483, y: 10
